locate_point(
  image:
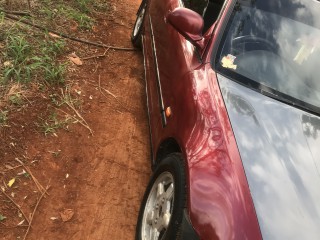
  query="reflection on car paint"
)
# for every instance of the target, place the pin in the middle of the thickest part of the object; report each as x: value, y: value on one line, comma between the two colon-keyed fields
x: 220, y: 203
x: 281, y: 161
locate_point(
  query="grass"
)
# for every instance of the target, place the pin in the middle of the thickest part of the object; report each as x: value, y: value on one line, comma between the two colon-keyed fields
x: 36, y: 61
x: 16, y: 99
x: 53, y: 123
x: 24, y: 58
x: 24, y: 62
x: 85, y: 22
x: 3, y: 118
x: 77, y: 13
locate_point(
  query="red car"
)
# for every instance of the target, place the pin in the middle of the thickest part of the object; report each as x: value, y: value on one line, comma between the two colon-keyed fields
x: 233, y: 93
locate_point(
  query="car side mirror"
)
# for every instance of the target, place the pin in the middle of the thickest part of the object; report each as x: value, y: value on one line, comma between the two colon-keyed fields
x: 189, y: 24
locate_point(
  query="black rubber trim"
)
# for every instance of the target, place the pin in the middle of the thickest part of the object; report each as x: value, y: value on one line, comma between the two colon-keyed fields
x: 187, y: 231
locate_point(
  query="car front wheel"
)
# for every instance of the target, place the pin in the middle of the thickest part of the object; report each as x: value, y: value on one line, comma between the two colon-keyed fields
x: 162, y: 207
x: 136, y: 36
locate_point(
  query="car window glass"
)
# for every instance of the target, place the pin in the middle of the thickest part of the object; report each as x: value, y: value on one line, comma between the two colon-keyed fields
x: 208, y: 9
x: 198, y: 6
x: 212, y: 12
x: 275, y: 46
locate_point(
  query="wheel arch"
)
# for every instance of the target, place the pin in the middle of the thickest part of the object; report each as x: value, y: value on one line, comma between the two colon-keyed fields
x: 168, y: 146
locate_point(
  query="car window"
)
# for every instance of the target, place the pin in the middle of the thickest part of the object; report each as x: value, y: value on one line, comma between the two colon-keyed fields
x: 275, y: 48
x: 198, y: 6
x: 208, y: 9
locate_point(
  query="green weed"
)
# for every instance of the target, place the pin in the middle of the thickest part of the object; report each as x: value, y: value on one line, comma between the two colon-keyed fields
x: 53, y: 47
x: 83, y: 5
x: 48, y: 13
x: 1, y: 17
x: 3, y: 118
x: 26, y: 62
x: 17, y: 54
x: 54, y: 72
x: 16, y: 99
x: 53, y: 123
x: 18, y: 49
x: 85, y: 22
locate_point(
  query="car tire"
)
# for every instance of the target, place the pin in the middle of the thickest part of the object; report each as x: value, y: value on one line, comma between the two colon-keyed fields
x: 162, y: 207
x: 136, y: 36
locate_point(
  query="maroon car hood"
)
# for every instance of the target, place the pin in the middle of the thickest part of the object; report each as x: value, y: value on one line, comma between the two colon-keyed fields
x: 280, y: 149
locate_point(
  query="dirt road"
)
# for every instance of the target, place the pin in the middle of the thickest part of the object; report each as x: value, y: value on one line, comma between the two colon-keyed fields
x: 101, y: 177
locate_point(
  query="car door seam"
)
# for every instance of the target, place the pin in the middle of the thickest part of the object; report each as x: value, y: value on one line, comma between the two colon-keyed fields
x: 154, y: 50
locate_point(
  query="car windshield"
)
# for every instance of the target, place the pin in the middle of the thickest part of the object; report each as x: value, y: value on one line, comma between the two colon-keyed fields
x: 274, y: 46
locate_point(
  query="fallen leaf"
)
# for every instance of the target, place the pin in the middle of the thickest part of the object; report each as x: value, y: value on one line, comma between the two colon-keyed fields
x: 76, y: 60
x: 11, y: 182
x: 8, y: 167
x: 95, y: 29
x: 73, y: 55
x: 8, y: 64
x: 20, y: 223
x: 2, y: 217
x: 78, y: 92
x: 66, y: 214
x: 74, y: 26
x: 54, y: 35
x: 22, y: 172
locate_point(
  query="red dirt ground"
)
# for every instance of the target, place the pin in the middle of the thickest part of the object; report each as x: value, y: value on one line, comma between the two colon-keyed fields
x: 101, y: 177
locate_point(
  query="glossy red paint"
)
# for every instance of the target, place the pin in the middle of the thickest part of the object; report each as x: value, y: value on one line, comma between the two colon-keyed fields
x: 188, y: 23
x: 220, y: 204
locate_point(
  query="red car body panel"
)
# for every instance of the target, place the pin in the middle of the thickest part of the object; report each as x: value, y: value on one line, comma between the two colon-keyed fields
x: 219, y: 201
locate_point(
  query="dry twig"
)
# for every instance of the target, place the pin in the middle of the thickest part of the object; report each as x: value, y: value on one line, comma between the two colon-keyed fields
x: 79, y: 121
x: 29, y: 5
x: 17, y: 226
x: 34, y: 211
x: 67, y: 36
x: 96, y: 56
x: 70, y: 105
x: 39, y: 186
x: 17, y: 206
x: 12, y: 168
x: 16, y: 12
x: 110, y: 93
x: 107, y: 91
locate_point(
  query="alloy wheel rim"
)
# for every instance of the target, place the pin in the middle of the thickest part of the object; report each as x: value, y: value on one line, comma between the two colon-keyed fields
x: 139, y: 22
x: 158, y: 209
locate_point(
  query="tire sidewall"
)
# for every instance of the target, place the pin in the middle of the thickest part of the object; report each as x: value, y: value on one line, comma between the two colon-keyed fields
x: 137, y: 39
x: 173, y: 164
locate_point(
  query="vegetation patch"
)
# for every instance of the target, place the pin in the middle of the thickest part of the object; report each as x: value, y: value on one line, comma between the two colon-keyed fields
x: 33, y: 61
x: 53, y: 123
x: 27, y: 59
